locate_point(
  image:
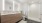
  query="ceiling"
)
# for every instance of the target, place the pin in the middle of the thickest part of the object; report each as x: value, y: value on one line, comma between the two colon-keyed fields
x: 23, y: 1
x: 9, y: 1
x: 34, y: 1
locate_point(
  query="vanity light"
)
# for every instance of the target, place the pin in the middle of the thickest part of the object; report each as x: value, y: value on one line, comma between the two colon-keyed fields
x: 13, y: 5
x: 3, y: 5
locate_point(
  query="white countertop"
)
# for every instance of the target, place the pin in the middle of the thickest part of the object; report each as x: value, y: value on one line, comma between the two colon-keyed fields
x: 6, y: 13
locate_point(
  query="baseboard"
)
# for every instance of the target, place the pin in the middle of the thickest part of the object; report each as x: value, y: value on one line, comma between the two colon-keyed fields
x: 35, y: 19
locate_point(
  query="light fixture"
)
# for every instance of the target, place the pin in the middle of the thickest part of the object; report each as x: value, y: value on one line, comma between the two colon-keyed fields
x: 3, y: 5
x: 13, y: 5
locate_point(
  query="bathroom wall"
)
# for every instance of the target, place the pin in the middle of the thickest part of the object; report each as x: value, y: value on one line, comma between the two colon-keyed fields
x: 41, y: 12
x: 34, y: 12
x: 0, y: 5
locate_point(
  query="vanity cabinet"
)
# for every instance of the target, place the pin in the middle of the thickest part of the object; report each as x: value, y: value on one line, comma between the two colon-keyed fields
x: 11, y: 18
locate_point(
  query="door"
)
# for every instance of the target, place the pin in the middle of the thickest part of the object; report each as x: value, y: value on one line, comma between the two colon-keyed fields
x: 34, y: 12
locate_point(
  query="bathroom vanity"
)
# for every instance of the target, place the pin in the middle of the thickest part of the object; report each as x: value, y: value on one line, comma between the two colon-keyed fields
x: 0, y: 17
x: 11, y: 18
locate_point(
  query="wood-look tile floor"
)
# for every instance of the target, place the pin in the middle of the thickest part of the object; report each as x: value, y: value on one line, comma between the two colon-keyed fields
x: 22, y: 21
x: 29, y: 21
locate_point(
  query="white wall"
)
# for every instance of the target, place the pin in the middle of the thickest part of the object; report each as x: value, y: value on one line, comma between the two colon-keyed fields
x: 0, y: 5
x: 34, y: 12
x: 41, y: 12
